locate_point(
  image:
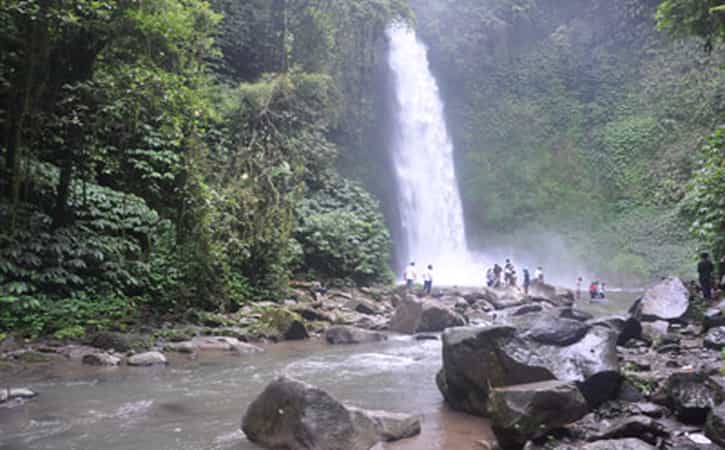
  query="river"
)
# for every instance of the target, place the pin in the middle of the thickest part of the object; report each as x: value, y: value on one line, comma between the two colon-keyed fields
x: 198, y: 404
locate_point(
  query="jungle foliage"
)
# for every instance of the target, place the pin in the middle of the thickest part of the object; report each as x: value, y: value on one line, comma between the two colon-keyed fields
x: 583, y: 119
x: 157, y: 155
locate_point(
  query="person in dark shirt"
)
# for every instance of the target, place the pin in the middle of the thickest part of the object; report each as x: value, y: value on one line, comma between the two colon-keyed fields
x: 721, y: 273
x: 705, y: 268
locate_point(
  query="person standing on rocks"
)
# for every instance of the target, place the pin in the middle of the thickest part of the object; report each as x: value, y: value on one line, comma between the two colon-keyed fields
x: 428, y: 280
x: 490, y: 277
x: 508, y: 273
x: 721, y: 274
x: 497, y: 270
x: 579, y: 282
x: 410, y: 276
x: 527, y: 281
x: 705, y: 268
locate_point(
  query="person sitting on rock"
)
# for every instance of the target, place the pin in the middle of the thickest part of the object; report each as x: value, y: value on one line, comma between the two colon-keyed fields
x: 602, y: 289
x: 428, y: 280
x: 410, y: 276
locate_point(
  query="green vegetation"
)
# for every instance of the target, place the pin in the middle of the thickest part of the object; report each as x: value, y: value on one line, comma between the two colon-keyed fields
x: 167, y: 156
x: 580, y: 118
x: 158, y: 155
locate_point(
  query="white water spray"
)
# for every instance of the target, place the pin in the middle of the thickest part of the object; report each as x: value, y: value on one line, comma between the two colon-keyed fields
x: 429, y: 201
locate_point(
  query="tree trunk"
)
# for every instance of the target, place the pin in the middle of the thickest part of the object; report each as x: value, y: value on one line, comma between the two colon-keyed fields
x: 60, y: 214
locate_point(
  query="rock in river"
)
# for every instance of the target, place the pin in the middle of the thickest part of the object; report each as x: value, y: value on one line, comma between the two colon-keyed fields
x: 475, y: 358
x: 101, y: 359
x: 668, y: 300
x: 290, y: 414
x: 416, y: 316
x: 528, y: 411
x: 341, y: 334
x: 147, y: 359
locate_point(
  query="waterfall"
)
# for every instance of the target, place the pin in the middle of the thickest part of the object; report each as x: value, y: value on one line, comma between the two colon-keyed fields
x: 428, y: 198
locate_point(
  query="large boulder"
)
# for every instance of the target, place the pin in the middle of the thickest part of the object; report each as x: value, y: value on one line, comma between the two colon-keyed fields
x: 342, y: 334
x: 690, y: 395
x: 423, y: 316
x: 476, y: 358
x: 626, y: 327
x: 668, y: 300
x: 528, y: 411
x: 290, y: 414
x: 556, y: 331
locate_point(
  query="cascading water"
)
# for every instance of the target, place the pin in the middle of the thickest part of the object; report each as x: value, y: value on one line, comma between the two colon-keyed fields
x: 428, y: 197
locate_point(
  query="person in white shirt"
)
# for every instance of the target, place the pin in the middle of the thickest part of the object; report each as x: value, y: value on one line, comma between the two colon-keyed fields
x: 409, y: 275
x: 539, y: 275
x: 428, y: 280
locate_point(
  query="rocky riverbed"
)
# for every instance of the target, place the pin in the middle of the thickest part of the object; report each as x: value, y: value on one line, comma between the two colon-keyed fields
x: 648, y: 378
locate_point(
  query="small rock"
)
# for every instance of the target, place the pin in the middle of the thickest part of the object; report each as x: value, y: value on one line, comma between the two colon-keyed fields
x: 180, y: 347
x: 654, y: 332
x: 713, y: 317
x: 392, y: 426
x: 20, y: 393
x: 342, y: 334
x: 147, y: 359
x: 715, y: 338
x: 619, y: 444
x: 426, y: 337
x: 642, y: 427
x: 101, y: 359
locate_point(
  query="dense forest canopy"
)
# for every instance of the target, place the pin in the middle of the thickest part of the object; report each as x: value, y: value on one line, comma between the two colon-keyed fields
x: 582, y: 119
x: 171, y: 154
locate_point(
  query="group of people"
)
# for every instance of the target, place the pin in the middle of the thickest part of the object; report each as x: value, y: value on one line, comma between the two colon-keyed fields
x: 706, y: 274
x: 410, y: 276
x: 597, y: 289
x: 506, y: 276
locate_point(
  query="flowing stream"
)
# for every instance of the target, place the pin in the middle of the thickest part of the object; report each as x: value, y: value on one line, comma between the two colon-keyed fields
x: 428, y: 197
x: 198, y: 404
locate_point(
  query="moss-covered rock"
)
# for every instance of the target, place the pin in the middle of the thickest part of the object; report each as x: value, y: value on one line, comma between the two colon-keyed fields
x: 278, y: 323
x: 109, y: 340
